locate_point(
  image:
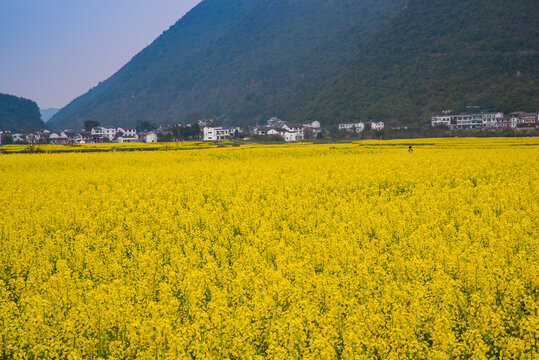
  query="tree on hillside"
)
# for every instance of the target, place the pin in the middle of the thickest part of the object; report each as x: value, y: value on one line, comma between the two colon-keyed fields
x: 183, y: 133
x: 90, y: 124
x: 118, y: 134
x: 7, y: 139
x: 308, y: 133
x: 192, y: 117
x: 145, y: 126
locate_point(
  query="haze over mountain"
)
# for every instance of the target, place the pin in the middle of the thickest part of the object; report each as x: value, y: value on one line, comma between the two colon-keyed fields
x: 46, y: 114
x: 339, y: 60
x: 242, y: 59
x: 18, y: 114
x: 435, y: 55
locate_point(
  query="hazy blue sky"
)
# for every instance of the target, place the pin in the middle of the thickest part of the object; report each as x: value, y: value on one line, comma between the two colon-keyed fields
x: 52, y: 51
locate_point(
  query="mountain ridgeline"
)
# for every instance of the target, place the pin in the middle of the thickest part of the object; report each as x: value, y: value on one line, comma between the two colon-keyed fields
x: 19, y: 114
x: 244, y: 60
x: 328, y: 60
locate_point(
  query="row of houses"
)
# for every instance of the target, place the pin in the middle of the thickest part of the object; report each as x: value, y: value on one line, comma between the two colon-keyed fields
x: 360, y: 126
x: 96, y: 135
x: 486, y: 120
x: 289, y: 132
x: 123, y: 134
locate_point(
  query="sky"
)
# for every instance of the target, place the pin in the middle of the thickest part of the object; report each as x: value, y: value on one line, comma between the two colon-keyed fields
x: 52, y: 51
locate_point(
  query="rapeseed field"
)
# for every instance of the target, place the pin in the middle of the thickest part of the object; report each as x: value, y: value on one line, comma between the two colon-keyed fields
x: 343, y: 251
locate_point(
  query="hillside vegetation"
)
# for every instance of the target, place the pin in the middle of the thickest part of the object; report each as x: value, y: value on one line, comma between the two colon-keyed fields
x: 333, y: 61
x: 438, y: 54
x: 17, y: 114
x: 243, y: 60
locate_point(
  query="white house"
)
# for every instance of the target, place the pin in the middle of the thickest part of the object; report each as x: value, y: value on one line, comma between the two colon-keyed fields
x: 75, y: 137
x: 275, y: 121
x: 288, y: 131
x: 275, y: 131
x: 513, y: 121
x: 33, y: 138
x: 357, y: 127
x: 527, y: 119
x: 127, y: 131
x: 127, y: 139
x: 296, y: 129
x: 57, y: 139
x: 205, y: 122
x: 313, y: 125
x: 291, y: 136
x: 377, y: 125
x: 287, y: 135
x: 149, y: 137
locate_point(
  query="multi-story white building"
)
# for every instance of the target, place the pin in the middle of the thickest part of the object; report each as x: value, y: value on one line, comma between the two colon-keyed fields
x: 522, y: 119
x: 461, y: 122
x: 492, y: 120
x: 110, y: 133
x: 485, y: 120
x: 357, y: 127
x: 218, y: 133
x: 104, y: 132
x: 440, y: 120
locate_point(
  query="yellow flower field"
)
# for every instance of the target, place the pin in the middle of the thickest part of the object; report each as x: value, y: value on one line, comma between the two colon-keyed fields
x: 342, y: 251
x: 183, y: 145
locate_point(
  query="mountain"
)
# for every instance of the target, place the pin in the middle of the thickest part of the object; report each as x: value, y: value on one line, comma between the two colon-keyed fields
x: 17, y: 114
x: 435, y: 55
x: 242, y: 60
x: 46, y: 114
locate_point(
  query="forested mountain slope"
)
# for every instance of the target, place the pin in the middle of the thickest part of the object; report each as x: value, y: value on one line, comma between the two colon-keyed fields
x: 18, y: 114
x: 439, y: 54
x: 243, y: 60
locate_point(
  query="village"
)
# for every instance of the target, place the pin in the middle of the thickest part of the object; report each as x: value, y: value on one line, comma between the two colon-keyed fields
x: 274, y: 129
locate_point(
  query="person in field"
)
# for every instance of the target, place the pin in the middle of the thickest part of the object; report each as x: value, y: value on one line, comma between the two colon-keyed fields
x: 410, y: 149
